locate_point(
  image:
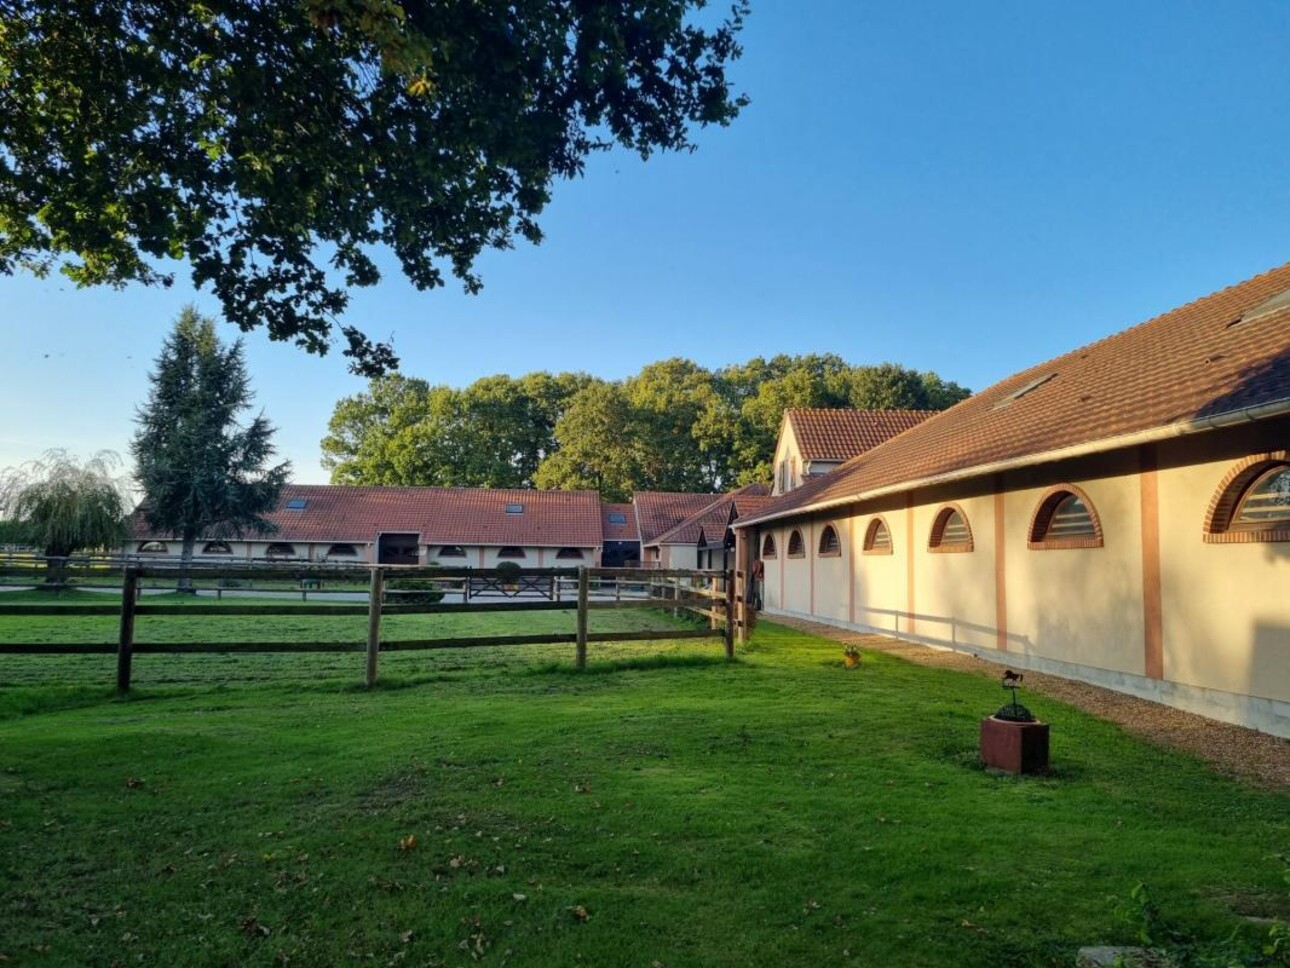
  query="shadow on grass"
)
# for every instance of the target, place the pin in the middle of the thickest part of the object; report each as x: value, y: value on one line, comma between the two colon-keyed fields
x: 640, y: 664
x: 21, y: 701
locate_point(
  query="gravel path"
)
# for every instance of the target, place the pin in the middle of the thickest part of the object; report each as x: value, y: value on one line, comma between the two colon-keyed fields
x: 1235, y: 750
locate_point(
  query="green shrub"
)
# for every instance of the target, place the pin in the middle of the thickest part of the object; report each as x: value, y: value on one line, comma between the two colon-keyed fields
x: 413, y: 591
x: 508, y: 571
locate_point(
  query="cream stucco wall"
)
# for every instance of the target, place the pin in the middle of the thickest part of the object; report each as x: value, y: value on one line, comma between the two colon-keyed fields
x: 1081, y: 605
x: 881, y: 585
x: 789, y: 456
x: 534, y: 557
x: 1223, y: 632
x: 954, y: 592
x: 1227, y: 606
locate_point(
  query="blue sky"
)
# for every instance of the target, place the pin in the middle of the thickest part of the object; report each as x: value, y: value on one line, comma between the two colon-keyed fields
x: 967, y: 188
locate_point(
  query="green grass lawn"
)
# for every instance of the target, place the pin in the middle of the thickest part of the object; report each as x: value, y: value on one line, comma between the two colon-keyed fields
x: 664, y: 807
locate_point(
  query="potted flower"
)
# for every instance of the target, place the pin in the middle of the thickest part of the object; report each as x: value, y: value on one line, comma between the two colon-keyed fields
x: 851, y: 657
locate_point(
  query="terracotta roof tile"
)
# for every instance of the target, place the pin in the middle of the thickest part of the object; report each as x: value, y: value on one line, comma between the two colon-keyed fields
x: 1221, y: 354
x: 715, y: 515
x: 824, y: 434
x: 618, y: 531
x: 441, y: 515
x: 660, y: 511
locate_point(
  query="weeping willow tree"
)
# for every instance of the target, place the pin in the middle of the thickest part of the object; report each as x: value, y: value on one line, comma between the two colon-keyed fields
x: 62, y: 505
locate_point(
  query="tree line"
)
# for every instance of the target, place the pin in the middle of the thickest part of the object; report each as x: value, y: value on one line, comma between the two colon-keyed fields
x: 674, y: 426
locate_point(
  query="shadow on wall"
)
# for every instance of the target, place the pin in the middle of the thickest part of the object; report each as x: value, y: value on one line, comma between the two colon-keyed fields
x: 947, y: 629
x: 1260, y: 383
x: 1269, y: 672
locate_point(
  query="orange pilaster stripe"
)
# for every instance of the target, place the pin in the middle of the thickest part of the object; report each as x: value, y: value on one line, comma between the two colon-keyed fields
x: 1153, y: 644
x: 1000, y: 571
x: 909, y: 565
x: 851, y: 569
x: 810, y: 557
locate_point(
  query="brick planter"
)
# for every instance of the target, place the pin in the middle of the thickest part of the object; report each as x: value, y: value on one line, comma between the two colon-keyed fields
x: 1014, y: 747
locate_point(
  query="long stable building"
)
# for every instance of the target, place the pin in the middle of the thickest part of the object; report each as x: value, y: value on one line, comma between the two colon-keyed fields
x: 1120, y: 514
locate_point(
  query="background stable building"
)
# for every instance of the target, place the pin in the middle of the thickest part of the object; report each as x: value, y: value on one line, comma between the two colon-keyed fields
x: 474, y: 527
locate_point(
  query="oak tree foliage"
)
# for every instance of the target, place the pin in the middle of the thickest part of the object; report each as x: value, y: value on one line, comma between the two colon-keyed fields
x: 674, y: 426
x: 275, y: 147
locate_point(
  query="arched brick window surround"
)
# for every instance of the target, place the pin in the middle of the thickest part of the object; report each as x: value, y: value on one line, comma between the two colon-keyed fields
x: 871, y: 534
x: 829, y: 548
x: 796, y: 546
x: 768, y: 546
x: 216, y: 548
x: 935, y: 541
x: 1222, y: 506
x: 1043, y: 516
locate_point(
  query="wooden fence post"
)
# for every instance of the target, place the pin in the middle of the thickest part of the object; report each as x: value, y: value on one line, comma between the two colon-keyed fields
x: 583, y: 588
x: 375, y: 594
x: 125, y: 643
x: 730, y: 614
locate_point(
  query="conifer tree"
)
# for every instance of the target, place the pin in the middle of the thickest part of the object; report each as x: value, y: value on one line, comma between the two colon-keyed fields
x: 203, y: 473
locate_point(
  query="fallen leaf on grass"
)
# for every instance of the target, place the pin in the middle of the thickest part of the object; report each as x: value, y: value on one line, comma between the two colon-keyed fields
x: 405, y: 937
x: 252, y: 928
x: 408, y: 843
x: 580, y: 914
x: 133, y: 782
x: 520, y: 897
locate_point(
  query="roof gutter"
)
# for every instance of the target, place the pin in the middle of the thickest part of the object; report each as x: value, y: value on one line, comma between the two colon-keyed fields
x: 1183, y: 428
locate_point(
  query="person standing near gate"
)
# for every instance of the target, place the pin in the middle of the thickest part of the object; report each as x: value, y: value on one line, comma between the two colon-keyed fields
x: 756, y: 579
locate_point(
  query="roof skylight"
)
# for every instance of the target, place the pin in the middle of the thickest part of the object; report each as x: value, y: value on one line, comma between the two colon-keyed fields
x: 1021, y: 391
x: 1266, y: 308
x: 297, y: 504
x: 515, y: 509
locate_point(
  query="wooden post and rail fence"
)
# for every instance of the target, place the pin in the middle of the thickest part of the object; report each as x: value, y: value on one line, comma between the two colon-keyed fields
x: 712, y: 595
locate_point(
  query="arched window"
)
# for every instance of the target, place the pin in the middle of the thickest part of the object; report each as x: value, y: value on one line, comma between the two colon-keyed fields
x: 342, y: 551
x: 510, y: 551
x: 216, y: 548
x: 153, y: 548
x: 1253, y: 502
x: 569, y: 554
x: 1065, y: 518
x: 768, y: 546
x: 877, y: 538
x: 830, y: 546
x: 452, y: 551
x: 280, y: 549
x: 1266, y: 502
x: 950, y: 531
x: 796, y: 549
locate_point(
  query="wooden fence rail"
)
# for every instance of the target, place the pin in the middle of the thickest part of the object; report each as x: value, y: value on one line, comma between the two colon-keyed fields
x: 707, y: 594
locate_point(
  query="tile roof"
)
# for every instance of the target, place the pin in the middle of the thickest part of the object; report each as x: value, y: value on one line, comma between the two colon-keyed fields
x: 618, y: 532
x: 713, y: 517
x: 1219, y: 355
x: 824, y: 434
x: 661, y: 511
x: 441, y: 515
